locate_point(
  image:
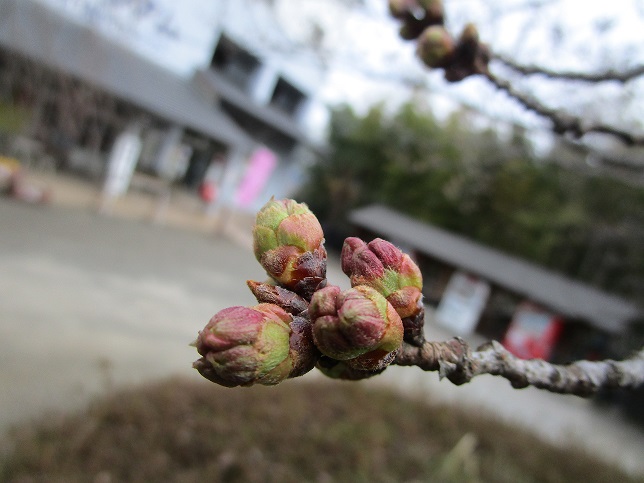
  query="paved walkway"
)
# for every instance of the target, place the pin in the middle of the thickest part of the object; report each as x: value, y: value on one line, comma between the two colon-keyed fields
x: 89, y: 301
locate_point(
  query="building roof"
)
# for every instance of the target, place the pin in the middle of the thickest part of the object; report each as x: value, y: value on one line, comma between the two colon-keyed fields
x: 228, y: 91
x: 39, y: 33
x: 565, y: 296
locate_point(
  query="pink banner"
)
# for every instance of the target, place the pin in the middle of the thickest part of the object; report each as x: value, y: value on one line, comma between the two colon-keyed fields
x: 261, y: 165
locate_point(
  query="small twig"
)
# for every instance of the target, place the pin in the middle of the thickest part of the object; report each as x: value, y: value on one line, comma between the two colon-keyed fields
x: 608, y: 75
x: 562, y: 123
x: 455, y: 361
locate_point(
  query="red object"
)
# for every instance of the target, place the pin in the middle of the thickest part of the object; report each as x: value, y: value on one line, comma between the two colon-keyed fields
x: 208, y: 191
x: 533, y: 332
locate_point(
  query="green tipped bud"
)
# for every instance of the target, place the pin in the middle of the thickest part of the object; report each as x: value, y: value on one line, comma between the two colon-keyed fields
x: 382, y: 266
x: 435, y: 47
x: 242, y: 346
x: 357, y: 326
x: 288, y: 243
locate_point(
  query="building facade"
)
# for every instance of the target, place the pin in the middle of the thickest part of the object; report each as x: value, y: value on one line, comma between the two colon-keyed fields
x: 67, y: 93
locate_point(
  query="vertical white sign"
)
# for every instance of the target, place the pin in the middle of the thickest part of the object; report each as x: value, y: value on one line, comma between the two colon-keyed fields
x: 462, y: 303
x: 121, y: 163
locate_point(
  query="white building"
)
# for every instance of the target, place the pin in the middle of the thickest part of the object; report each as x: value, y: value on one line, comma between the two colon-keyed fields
x: 241, y: 100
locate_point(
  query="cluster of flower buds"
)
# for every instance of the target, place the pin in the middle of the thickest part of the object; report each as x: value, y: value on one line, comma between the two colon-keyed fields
x: 437, y: 49
x: 384, y: 267
x: 299, y: 322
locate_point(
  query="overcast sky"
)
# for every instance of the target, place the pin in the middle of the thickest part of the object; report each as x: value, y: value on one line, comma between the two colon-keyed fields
x: 362, y: 48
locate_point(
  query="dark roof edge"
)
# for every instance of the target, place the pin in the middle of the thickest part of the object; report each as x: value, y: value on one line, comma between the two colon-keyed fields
x: 569, y: 297
x: 22, y: 27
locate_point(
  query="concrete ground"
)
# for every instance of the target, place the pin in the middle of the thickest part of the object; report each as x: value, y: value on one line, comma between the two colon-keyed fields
x: 88, y: 302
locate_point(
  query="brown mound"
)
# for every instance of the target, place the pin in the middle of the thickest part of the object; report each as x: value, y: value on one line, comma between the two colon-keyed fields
x: 190, y: 431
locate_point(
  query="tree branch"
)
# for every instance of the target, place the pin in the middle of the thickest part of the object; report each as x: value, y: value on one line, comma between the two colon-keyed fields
x: 609, y: 75
x: 467, y: 56
x: 455, y: 361
x: 562, y: 123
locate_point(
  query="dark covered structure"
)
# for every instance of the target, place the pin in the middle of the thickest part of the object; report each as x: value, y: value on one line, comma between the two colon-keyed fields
x: 591, y: 318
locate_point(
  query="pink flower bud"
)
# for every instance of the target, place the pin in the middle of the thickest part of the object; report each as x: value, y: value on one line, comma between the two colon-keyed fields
x: 288, y: 243
x: 357, y: 326
x: 384, y: 267
x: 242, y: 346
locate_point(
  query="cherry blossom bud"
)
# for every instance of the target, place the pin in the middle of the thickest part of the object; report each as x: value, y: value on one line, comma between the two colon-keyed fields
x: 381, y: 265
x: 357, y: 326
x: 435, y: 46
x: 242, y: 346
x: 288, y: 243
x: 471, y: 56
x: 469, y: 35
x: 384, y: 267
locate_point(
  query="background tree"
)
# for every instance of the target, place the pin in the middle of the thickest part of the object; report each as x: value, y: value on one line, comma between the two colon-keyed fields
x: 549, y: 67
x: 486, y: 187
x: 465, y: 55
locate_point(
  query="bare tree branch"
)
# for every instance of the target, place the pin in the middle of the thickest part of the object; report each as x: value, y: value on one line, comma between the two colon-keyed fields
x: 455, y: 361
x: 608, y: 75
x: 467, y: 56
x: 562, y: 123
